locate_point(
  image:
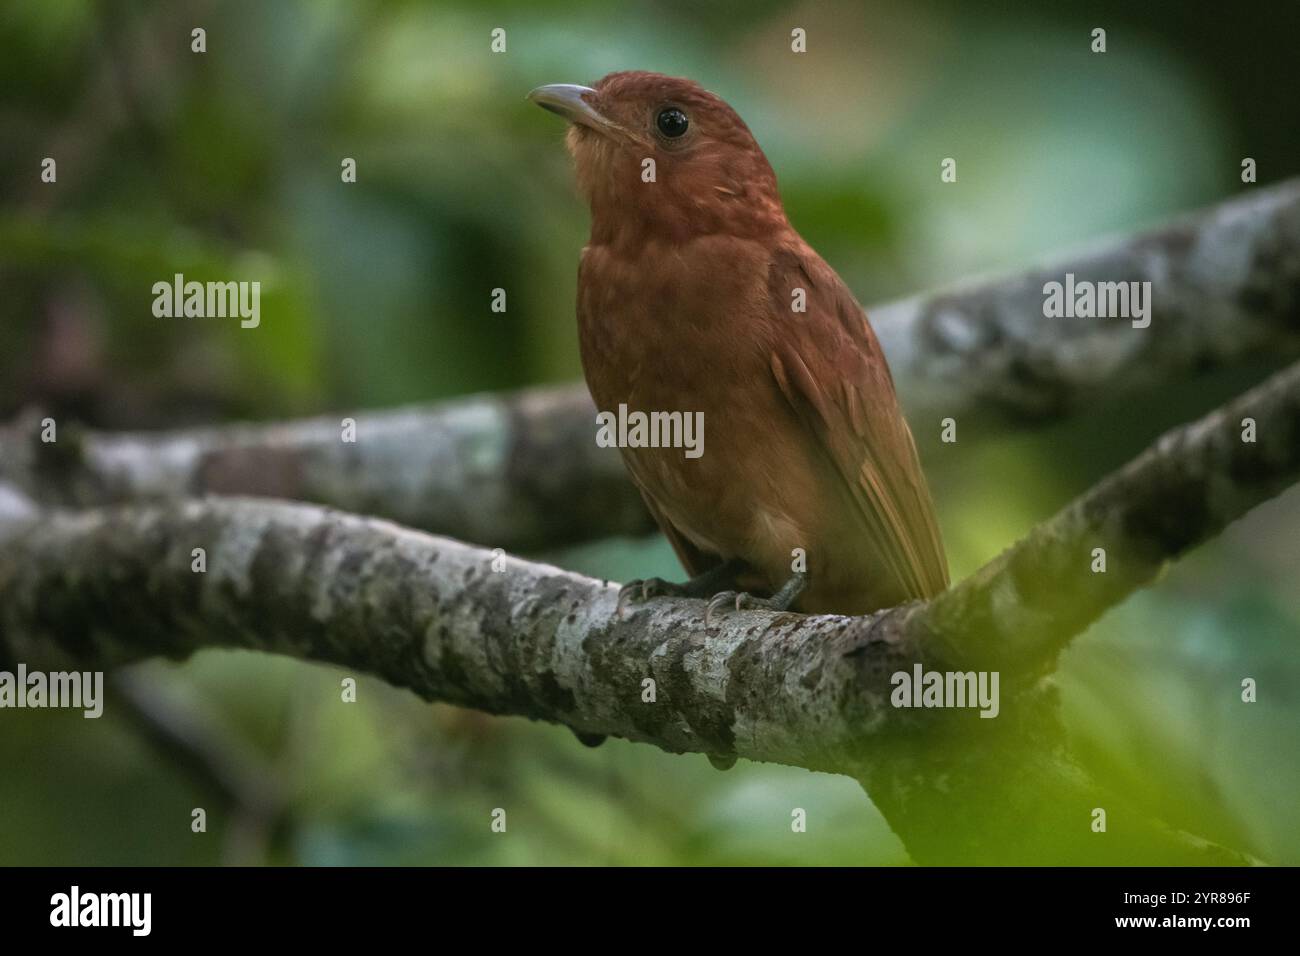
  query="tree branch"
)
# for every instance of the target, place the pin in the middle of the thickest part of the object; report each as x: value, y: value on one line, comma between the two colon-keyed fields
x: 1225, y: 290
x: 1022, y: 608
x: 523, y: 472
x: 520, y: 471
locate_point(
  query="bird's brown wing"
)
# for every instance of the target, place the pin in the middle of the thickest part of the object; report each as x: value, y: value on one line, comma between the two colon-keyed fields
x: 851, y: 409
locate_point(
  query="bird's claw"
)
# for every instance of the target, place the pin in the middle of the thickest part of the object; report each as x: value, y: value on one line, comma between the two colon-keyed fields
x: 744, y: 601
x: 643, y: 589
x: 625, y: 594
x: 741, y: 600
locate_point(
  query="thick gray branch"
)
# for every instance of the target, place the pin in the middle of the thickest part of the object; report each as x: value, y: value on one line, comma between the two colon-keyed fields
x: 1225, y: 289
x: 426, y: 613
x: 519, y: 471
x: 523, y: 472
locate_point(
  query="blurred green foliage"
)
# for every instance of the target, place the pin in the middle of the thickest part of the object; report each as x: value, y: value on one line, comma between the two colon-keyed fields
x: 227, y: 164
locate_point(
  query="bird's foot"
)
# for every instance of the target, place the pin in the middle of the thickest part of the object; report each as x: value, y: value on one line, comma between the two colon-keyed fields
x: 699, y: 586
x: 644, y: 589
x: 744, y: 601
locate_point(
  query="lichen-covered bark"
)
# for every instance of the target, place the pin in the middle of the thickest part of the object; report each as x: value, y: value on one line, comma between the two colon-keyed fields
x: 1225, y: 289
x: 523, y: 472
x: 520, y: 472
x: 433, y: 615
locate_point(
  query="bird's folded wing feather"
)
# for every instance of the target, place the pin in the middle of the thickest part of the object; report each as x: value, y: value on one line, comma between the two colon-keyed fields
x: 695, y: 560
x: 852, y: 411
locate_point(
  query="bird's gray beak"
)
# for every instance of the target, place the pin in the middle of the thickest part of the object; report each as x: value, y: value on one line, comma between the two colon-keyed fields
x: 571, y: 102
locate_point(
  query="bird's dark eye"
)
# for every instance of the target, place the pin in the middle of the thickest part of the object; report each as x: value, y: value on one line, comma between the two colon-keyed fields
x: 672, y: 122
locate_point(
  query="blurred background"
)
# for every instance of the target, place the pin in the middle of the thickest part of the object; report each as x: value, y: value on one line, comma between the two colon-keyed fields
x: 227, y: 165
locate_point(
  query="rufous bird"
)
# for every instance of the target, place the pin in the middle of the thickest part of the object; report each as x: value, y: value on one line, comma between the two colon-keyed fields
x: 695, y: 294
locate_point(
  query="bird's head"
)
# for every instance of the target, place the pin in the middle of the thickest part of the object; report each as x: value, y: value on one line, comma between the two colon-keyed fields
x: 664, y: 156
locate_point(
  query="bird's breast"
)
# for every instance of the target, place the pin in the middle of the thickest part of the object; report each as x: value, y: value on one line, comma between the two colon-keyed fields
x: 688, y: 329
x: 654, y: 320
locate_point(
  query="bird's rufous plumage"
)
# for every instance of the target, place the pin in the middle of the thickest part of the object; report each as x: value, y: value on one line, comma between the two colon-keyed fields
x: 686, y: 302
